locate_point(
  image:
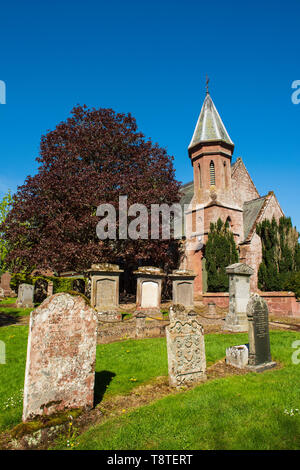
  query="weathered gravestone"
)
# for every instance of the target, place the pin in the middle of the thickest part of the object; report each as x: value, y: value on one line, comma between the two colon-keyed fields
x: 237, y: 356
x: 239, y: 294
x: 61, y: 356
x: 186, y: 349
x: 149, y: 286
x: 259, y: 339
x: 140, y: 324
x: 256, y: 355
x: 25, y: 296
x: 183, y: 287
x: 105, y: 286
x: 5, y: 284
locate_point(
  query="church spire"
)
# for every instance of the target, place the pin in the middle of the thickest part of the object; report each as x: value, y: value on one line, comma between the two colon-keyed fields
x: 209, y: 126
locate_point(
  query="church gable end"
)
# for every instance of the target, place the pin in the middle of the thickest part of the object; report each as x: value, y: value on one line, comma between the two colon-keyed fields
x: 243, y: 188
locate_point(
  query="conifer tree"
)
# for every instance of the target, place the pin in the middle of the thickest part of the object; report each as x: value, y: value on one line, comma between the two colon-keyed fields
x: 220, y: 252
x: 280, y: 253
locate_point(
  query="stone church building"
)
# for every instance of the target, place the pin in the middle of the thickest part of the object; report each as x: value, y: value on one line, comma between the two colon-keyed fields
x: 221, y: 188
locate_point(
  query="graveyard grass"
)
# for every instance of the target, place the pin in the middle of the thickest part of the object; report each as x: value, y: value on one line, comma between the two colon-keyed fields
x: 237, y: 412
x: 11, y: 314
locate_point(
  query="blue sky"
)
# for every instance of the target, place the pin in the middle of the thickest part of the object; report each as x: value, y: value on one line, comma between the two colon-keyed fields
x: 150, y: 58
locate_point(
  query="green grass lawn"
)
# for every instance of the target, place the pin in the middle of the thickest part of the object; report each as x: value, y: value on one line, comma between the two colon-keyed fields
x: 239, y: 412
x: 8, y: 300
x: 12, y: 313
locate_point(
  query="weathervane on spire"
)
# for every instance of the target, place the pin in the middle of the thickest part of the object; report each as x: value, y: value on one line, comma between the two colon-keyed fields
x: 207, y: 82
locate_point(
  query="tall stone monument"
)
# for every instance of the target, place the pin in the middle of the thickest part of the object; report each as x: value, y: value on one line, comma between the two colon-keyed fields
x: 259, y: 338
x: 186, y: 349
x: 25, y: 296
x: 239, y: 294
x: 183, y: 287
x: 61, y: 355
x: 149, y: 286
x: 105, y: 286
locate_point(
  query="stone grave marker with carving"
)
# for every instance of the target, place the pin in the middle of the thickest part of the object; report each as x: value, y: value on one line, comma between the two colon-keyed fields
x: 186, y: 348
x: 61, y: 355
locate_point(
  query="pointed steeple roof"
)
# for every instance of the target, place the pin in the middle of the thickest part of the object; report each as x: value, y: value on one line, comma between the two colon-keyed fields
x: 209, y: 126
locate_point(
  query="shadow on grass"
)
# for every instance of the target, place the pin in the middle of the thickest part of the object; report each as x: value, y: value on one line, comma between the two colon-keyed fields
x: 11, y: 318
x: 102, y: 380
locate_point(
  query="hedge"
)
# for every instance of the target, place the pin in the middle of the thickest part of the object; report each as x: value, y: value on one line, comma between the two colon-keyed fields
x: 60, y: 284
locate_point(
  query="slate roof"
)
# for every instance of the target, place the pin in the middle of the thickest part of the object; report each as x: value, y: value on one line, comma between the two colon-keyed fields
x: 251, y: 212
x: 187, y: 191
x: 209, y: 126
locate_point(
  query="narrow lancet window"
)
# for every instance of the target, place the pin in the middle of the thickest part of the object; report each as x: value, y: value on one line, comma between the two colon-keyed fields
x: 200, y: 178
x: 212, y: 173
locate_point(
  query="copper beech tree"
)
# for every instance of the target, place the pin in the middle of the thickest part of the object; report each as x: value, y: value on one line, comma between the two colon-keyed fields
x: 93, y: 157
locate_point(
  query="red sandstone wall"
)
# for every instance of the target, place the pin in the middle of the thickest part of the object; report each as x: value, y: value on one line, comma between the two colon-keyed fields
x: 211, y: 214
x: 282, y: 303
x: 243, y: 188
x: 272, y: 210
x: 279, y: 303
x: 251, y: 254
x: 221, y: 299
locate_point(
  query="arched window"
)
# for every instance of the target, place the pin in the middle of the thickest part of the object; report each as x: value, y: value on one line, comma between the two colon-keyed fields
x: 200, y: 177
x: 225, y: 175
x: 229, y: 221
x: 212, y: 173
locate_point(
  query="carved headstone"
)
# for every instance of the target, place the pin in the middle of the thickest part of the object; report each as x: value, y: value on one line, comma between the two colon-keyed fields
x: 239, y: 294
x: 149, y: 285
x: 105, y: 286
x: 259, y: 339
x: 61, y: 356
x: 25, y: 296
x: 183, y: 287
x: 2, y: 294
x: 186, y: 349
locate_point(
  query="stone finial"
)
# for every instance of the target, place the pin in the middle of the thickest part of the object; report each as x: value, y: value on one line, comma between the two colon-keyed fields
x: 240, y: 268
x: 239, y: 294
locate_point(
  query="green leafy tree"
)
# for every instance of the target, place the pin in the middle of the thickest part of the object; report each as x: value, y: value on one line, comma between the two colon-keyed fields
x: 220, y: 252
x: 5, y: 206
